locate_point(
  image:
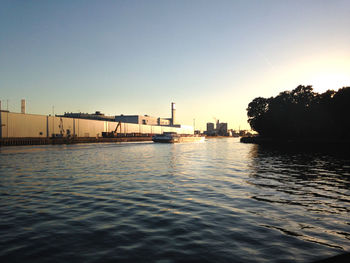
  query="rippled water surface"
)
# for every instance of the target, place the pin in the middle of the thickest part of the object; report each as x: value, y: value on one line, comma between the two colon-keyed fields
x: 217, y: 201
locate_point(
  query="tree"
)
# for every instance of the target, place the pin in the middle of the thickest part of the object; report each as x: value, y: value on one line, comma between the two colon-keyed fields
x: 256, y: 111
x: 341, y: 111
x: 302, y: 113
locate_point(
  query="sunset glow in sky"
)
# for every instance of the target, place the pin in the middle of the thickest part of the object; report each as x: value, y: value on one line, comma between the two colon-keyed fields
x: 136, y: 57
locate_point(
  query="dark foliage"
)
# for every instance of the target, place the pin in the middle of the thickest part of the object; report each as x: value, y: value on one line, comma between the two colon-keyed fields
x: 302, y: 113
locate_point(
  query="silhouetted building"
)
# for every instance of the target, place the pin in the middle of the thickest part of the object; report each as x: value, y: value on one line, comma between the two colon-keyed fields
x: 221, y: 129
x: 210, y: 129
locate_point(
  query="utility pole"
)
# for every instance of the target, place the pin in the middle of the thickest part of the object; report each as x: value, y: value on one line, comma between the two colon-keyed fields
x: 53, y: 120
x: 7, y: 121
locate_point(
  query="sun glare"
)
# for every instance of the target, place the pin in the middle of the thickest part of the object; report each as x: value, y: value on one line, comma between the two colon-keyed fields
x: 333, y: 81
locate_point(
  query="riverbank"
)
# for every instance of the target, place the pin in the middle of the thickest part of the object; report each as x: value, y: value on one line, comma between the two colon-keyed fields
x: 219, y: 137
x: 300, y: 143
x: 268, y: 140
x: 343, y: 258
x: 45, y: 141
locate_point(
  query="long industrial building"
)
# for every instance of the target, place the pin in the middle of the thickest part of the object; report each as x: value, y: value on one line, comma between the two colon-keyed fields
x: 22, y: 125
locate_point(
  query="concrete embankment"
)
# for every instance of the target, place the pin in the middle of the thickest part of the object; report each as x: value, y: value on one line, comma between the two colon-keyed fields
x: 43, y: 141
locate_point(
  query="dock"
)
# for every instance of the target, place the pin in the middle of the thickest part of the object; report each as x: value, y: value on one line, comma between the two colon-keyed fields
x: 47, y: 141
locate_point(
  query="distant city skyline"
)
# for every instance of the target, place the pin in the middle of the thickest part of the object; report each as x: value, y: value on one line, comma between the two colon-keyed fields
x: 136, y: 57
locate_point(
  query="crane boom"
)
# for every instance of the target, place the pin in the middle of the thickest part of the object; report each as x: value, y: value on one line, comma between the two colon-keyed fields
x: 112, y: 134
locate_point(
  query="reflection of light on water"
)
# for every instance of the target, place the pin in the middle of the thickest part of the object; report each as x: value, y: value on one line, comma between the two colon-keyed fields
x: 215, y: 201
x: 22, y: 149
x: 311, y: 185
x: 304, y: 237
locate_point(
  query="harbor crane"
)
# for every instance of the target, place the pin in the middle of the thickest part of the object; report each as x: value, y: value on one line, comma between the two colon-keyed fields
x: 112, y: 134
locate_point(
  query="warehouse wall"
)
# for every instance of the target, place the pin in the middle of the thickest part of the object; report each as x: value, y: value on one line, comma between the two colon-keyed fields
x: 23, y: 125
x: 89, y: 128
x: 59, y: 125
x: 18, y: 125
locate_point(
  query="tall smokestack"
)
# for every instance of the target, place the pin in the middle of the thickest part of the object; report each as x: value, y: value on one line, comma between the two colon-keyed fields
x: 173, y: 110
x: 23, y: 106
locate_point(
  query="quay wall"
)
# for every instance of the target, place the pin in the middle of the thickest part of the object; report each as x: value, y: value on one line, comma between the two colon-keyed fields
x: 18, y: 125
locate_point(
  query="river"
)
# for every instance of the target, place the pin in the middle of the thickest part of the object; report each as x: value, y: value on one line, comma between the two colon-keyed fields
x: 215, y: 201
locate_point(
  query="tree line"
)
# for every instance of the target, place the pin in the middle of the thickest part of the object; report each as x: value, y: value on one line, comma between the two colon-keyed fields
x: 302, y: 113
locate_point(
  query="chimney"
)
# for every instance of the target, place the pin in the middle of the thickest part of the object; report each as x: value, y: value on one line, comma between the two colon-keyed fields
x: 23, y: 106
x: 173, y: 113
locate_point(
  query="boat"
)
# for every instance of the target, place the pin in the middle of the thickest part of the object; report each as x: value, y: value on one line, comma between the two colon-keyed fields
x: 173, y: 137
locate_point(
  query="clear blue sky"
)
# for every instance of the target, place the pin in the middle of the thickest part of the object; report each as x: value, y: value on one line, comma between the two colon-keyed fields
x: 136, y: 57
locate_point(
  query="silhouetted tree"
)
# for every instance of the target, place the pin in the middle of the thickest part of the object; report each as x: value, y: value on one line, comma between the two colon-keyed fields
x: 302, y: 113
x: 341, y: 111
x: 256, y: 114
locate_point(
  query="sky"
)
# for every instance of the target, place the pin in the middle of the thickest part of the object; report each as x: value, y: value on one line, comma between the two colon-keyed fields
x: 136, y: 57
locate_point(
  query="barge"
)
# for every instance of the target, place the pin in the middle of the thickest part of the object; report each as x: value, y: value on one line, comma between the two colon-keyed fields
x: 173, y: 137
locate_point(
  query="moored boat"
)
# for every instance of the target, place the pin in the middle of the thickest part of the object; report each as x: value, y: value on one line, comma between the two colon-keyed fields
x: 173, y: 137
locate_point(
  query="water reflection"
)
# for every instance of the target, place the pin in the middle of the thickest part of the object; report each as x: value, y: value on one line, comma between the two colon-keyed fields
x: 304, y: 192
x: 207, y: 202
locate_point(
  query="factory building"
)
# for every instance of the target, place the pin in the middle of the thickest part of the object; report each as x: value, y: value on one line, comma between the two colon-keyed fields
x: 143, y: 119
x: 23, y: 125
x: 148, y: 120
x: 136, y: 119
x: 94, y: 116
x: 18, y: 125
